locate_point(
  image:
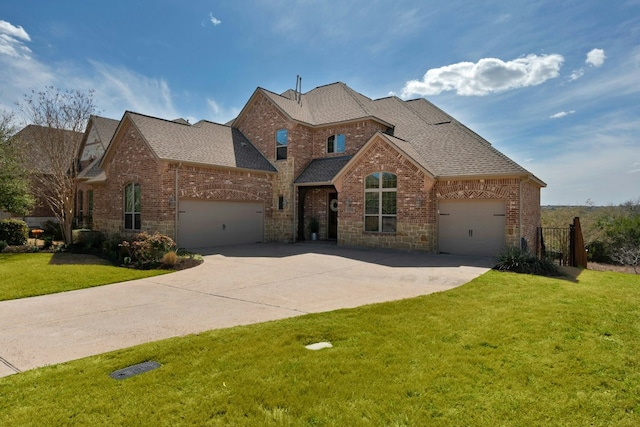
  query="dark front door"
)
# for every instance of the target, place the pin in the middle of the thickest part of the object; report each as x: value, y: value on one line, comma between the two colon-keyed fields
x: 333, y: 216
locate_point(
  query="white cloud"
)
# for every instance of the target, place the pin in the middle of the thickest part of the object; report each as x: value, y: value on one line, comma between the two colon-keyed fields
x: 215, y: 21
x: 487, y: 76
x: 127, y: 90
x: 561, y: 114
x: 595, y: 57
x: 576, y: 74
x: 220, y: 114
x: 12, y: 40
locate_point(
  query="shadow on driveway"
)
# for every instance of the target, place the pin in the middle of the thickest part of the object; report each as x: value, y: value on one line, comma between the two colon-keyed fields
x: 383, y: 257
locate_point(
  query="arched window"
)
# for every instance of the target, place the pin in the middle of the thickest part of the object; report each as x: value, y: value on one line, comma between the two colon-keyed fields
x: 132, y: 206
x: 380, y: 200
x: 282, y: 140
x: 336, y: 143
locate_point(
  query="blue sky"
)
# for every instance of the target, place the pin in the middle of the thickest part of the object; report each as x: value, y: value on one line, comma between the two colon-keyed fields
x: 555, y: 85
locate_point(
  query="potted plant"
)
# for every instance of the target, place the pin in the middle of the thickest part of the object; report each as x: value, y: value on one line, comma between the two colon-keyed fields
x: 314, y: 228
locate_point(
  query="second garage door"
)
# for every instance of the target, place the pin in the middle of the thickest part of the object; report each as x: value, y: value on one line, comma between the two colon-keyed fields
x: 471, y: 227
x: 206, y: 223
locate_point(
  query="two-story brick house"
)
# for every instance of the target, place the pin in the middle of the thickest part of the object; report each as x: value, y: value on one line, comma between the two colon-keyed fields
x: 374, y: 173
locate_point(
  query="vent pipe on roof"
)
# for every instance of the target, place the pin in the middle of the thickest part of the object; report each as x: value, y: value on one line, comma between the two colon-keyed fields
x: 298, y: 91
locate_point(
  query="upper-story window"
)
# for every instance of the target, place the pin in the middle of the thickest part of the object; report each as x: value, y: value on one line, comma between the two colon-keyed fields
x: 380, y: 199
x: 282, y: 139
x: 132, y: 206
x: 336, y: 143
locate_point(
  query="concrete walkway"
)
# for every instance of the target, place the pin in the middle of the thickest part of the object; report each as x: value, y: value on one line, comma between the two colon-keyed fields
x: 234, y: 286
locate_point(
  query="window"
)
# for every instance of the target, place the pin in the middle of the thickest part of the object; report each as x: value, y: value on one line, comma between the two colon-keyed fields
x: 280, y: 203
x: 80, y: 213
x: 336, y: 143
x: 282, y: 139
x: 380, y: 201
x: 90, y: 202
x: 132, y: 207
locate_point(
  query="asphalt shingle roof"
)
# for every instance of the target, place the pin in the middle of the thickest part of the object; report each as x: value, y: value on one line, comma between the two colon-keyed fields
x: 322, y: 170
x: 105, y: 128
x: 434, y: 139
x: 203, y: 143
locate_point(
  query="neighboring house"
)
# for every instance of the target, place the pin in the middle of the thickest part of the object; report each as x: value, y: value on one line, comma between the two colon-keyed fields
x: 375, y: 173
x: 94, y: 143
x: 38, y: 158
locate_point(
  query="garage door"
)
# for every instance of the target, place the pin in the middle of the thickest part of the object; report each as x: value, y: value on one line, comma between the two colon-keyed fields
x: 471, y: 227
x: 205, y: 223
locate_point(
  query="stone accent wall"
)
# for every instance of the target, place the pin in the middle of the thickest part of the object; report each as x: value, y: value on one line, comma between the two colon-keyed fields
x: 280, y: 228
x: 415, y: 210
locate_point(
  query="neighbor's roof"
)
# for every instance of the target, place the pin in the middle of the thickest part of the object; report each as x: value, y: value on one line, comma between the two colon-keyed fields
x: 203, y: 143
x: 321, y: 171
x: 105, y: 128
x: 435, y: 140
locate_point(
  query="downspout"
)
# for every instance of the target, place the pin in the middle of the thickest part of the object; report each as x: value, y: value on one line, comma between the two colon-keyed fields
x: 294, y: 225
x: 522, y: 182
x: 520, y: 216
x: 176, y: 204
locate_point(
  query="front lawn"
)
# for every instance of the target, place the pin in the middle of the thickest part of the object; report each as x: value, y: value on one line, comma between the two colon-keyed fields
x: 505, y: 349
x: 26, y: 275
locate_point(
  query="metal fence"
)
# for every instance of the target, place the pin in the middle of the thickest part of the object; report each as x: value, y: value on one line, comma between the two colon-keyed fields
x: 564, y: 246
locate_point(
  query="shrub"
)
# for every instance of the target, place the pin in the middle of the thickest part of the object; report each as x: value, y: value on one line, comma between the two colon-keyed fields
x: 52, y: 228
x: 599, y: 251
x: 14, y: 232
x: 146, y: 249
x: 112, y: 248
x: 170, y: 259
x: 517, y: 260
x: 88, y: 239
x: 3, y: 244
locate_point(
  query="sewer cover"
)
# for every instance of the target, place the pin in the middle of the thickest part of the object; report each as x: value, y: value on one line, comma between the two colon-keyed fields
x: 130, y: 371
x: 318, y: 346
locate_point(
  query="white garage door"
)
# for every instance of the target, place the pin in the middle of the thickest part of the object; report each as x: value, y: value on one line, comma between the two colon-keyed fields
x: 206, y: 223
x: 471, y: 227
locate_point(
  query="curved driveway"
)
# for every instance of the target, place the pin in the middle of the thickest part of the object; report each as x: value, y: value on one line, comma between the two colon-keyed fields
x: 234, y: 286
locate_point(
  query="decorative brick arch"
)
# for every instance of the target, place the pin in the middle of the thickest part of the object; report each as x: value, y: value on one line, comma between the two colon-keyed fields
x: 225, y: 193
x: 504, y: 189
x: 469, y: 194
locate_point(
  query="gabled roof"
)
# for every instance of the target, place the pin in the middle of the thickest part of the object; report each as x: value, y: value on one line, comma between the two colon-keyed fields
x: 41, y: 145
x: 105, y: 128
x: 432, y: 138
x: 322, y: 171
x: 203, y: 143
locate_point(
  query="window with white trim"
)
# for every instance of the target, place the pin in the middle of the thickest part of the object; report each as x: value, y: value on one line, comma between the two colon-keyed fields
x: 380, y: 201
x: 132, y: 206
x: 282, y: 140
x: 336, y: 143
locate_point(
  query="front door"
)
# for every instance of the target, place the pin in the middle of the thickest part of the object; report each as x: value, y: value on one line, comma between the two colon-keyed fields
x: 332, y: 223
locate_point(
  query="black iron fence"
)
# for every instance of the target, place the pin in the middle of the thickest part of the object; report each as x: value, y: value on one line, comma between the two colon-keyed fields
x: 564, y: 246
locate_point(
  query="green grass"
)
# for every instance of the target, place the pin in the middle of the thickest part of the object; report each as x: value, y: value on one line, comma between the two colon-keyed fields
x: 27, y: 275
x: 503, y: 350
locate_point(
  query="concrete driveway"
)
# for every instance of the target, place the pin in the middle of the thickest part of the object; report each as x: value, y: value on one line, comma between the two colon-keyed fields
x: 234, y: 286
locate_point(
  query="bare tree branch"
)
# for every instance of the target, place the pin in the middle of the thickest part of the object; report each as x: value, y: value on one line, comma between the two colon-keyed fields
x: 59, y: 118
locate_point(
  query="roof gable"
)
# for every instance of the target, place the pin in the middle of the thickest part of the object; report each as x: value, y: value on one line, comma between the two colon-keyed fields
x: 204, y: 143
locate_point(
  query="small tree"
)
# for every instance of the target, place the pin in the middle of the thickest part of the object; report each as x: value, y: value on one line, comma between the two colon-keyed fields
x: 61, y: 117
x: 15, y: 192
x: 623, y: 233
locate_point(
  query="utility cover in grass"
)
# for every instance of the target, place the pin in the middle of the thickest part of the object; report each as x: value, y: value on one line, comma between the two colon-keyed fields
x: 318, y: 346
x: 130, y: 371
